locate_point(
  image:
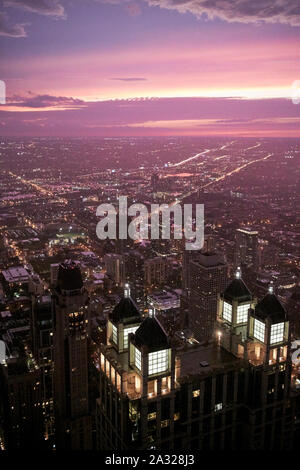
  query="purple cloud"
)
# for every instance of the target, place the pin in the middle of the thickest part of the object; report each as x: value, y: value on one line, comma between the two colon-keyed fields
x: 44, y: 101
x: 42, y: 7
x: 11, y: 31
x: 145, y: 116
x: 129, y: 79
x: 243, y: 11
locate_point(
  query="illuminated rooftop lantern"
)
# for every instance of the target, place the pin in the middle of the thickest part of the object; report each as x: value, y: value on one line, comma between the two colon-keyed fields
x: 236, y: 301
x: 126, y: 291
x: 270, y: 324
x: 238, y: 273
x: 151, y: 344
x: 271, y: 288
x: 151, y: 310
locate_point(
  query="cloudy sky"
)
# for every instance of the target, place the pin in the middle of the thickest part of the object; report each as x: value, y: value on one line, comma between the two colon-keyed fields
x: 150, y: 67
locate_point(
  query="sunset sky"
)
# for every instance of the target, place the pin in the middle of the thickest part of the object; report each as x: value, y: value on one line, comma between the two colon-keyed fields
x: 150, y: 67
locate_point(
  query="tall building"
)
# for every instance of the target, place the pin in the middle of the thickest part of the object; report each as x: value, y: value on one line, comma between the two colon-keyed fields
x: 42, y: 349
x: 71, y: 393
x: 156, y: 271
x: 154, y: 182
x: 208, y: 277
x: 54, y: 267
x: 115, y: 268
x: 173, y: 393
x: 20, y: 396
x: 246, y: 248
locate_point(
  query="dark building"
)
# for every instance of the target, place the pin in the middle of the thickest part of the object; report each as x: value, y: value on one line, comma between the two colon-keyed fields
x: 73, y: 423
x: 169, y: 393
x: 42, y: 348
x: 20, y: 388
x: 208, y: 277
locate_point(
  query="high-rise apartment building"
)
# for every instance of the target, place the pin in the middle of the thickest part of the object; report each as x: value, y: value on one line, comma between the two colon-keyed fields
x: 156, y: 271
x: 71, y: 394
x: 208, y: 277
x: 246, y: 248
x: 115, y: 268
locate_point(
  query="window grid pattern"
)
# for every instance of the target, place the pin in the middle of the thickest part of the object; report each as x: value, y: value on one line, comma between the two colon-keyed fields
x: 242, y: 313
x: 137, y: 359
x: 127, y: 331
x: 277, y: 333
x: 259, y: 330
x: 115, y: 334
x: 158, y: 362
x: 227, y: 312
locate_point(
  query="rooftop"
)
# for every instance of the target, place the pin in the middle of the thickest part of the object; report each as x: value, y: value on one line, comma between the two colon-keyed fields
x: 69, y: 276
x: 271, y: 307
x: 201, y: 359
x: 237, y: 290
x: 152, y: 335
x: 16, y: 274
x: 125, y: 312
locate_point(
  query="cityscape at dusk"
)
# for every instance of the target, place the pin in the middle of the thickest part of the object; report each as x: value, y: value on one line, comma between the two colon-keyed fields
x: 141, y: 345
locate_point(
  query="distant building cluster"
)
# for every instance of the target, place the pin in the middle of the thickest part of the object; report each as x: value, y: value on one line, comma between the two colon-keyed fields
x: 139, y: 344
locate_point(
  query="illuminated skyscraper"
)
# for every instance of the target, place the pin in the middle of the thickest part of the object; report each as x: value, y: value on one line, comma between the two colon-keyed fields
x: 172, y: 393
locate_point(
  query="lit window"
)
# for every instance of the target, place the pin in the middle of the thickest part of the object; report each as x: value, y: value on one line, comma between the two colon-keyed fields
x: 152, y: 416
x: 227, y: 312
x: 196, y: 393
x: 127, y: 331
x: 259, y: 330
x: 242, y: 313
x: 165, y: 423
x: 137, y: 359
x: 218, y: 406
x: 115, y: 334
x: 277, y: 333
x: 158, y: 362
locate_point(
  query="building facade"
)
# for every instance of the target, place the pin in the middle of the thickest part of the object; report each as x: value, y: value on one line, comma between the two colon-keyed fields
x: 73, y: 422
x: 170, y: 393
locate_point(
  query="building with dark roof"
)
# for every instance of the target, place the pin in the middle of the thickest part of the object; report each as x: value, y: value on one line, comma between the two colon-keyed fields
x: 234, y: 305
x: 171, y: 393
x: 69, y: 277
x: 270, y: 307
x: 237, y: 289
x: 151, y: 335
x: 71, y: 307
x: 124, y: 319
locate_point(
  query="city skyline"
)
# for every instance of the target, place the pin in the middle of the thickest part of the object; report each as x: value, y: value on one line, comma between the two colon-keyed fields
x: 149, y: 68
x: 149, y: 216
